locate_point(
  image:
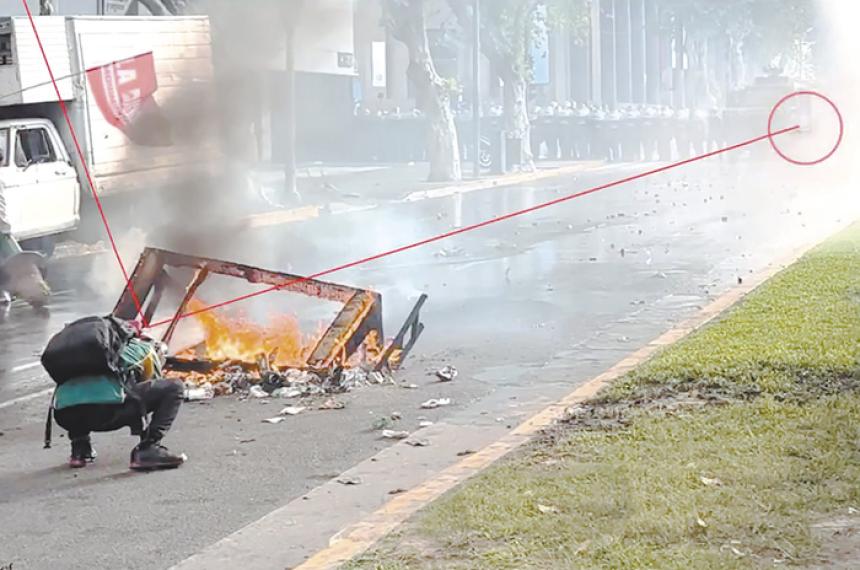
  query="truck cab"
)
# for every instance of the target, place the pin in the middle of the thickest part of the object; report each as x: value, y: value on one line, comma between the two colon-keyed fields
x: 37, y: 179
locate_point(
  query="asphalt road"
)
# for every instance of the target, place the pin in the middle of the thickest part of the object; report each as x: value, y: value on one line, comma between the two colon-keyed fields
x: 589, y: 280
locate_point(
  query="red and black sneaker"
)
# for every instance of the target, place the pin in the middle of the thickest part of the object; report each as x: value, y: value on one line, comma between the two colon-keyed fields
x: 153, y: 456
x: 82, y: 453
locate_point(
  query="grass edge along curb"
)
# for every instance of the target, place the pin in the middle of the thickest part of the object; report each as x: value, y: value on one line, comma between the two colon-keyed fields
x: 483, y: 531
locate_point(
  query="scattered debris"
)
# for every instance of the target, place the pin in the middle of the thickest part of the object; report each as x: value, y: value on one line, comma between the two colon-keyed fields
x: 396, y: 416
x: 276, y: 420
x: 446, y: 374
x: 465, y: 452
x: 257, y: 392
x: 409, y: 386
x: 287, y: 393
x: 396, y: 491
x: 349, y: 480
x: 332, y: 404
x: 450, y: 252
x: 548, y: 509
x: 249, y: 440
x: 292, y: 410
x: 701, y: 523
x: 202, y: 392
x: 392, y: 434
x: 710, y: 482
x: 435, y: 403
x: 425, y: 423
x: 381, y: 423
x: 417, y: 442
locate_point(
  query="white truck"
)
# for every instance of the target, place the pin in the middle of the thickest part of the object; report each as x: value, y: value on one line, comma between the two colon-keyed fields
x: 139, y: 92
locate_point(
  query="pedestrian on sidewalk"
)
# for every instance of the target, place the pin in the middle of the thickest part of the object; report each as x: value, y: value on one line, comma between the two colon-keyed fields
x: 109, y: 377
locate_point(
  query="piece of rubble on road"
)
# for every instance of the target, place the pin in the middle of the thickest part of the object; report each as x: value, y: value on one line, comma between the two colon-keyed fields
x: 292, y: 411
x: 446, y: 374
x: 417, y: 442
x: 392, y: 434
x: 349, y: 480
x: 332, y: 404
x: 257, y: 392
x: 276, y: 420
x: 287, y: 393
x: 202, y: 392
x: 435, y: 403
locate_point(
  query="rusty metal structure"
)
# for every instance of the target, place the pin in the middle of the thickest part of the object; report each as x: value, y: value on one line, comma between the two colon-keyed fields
x: 360, y: 315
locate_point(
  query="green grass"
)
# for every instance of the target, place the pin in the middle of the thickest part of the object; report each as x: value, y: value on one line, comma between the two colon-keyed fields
x: 798, y: 334
x: 732, y: 486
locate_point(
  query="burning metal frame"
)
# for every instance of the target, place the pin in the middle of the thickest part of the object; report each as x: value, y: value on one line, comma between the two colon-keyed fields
x: 360, y: 316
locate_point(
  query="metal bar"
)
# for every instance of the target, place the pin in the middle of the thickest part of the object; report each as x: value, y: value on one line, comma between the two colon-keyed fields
x: 148, y: 267
x: 412, y: 323
x: 292, y: 283
x: 196, y: 282
x: 161, y: 283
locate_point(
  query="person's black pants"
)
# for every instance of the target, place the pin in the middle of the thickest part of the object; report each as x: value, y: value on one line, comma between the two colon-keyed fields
x: 161, y: 398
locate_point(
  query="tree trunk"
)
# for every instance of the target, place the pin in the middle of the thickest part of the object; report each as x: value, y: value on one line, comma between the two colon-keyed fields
x: 517, y: 123
x: 443, y: 148
x: 406, y: 21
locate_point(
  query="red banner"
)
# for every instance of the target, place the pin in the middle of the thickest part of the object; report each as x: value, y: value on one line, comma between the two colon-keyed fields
x: 122, y: 88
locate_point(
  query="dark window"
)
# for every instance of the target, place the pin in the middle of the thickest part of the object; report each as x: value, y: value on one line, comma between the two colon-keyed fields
x: 6, y: 49
x: 33, y: 146
x: 4, y: 147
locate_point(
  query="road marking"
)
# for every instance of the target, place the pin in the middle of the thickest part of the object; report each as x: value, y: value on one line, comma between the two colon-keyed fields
x: 26, y: 398
x: 25, y: 367
x: 361, y: 536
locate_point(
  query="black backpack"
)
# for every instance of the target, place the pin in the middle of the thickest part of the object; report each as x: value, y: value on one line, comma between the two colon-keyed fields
x: 87, y: 347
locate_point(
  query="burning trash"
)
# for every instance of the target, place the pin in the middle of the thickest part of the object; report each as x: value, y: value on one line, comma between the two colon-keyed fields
x: 272, y: 360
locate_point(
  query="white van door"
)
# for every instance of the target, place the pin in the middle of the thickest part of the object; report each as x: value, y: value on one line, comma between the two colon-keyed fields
x: 41, y: 187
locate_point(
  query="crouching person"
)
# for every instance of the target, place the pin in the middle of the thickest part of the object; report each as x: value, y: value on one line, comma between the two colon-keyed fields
x: 108, y: 377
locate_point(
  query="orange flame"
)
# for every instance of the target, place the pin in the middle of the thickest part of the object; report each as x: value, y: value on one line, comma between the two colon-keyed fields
x: 237, y: 338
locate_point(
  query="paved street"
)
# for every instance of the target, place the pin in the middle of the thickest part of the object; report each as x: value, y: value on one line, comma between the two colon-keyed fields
x: 525, y: 309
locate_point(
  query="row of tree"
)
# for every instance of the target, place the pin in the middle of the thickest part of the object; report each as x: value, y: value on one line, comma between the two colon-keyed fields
x: 510, y: 28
